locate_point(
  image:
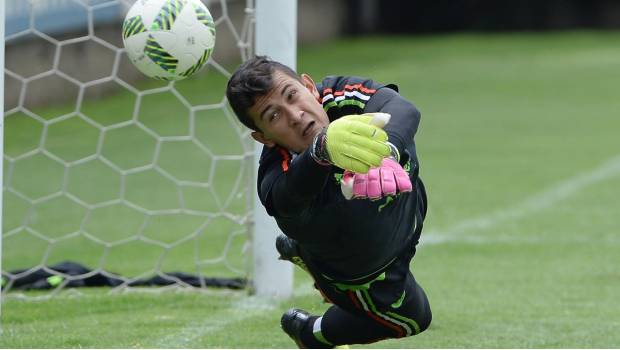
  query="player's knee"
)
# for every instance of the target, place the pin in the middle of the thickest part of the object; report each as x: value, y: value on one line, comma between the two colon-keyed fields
x: 425, y: 321
x: 425, y: 315
x: 422, y: 322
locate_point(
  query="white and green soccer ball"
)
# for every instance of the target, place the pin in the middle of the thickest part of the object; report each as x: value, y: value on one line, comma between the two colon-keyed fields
x: 169, y: 39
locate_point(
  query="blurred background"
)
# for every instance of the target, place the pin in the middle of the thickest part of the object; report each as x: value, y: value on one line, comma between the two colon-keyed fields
x: 318, y: 21
x: 399, y: 16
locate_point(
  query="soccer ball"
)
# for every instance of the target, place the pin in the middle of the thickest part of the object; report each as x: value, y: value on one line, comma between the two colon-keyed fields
x: 169, y: 39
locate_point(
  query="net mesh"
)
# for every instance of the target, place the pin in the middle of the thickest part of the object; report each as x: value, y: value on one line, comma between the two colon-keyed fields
x: 128, y: 176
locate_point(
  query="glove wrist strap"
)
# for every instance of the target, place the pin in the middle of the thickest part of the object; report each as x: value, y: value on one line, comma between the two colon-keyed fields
x: 394, y: 154
x: 318, y: 149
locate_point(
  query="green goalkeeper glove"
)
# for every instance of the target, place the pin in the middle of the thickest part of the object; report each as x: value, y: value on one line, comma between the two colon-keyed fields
x: 353, y: 142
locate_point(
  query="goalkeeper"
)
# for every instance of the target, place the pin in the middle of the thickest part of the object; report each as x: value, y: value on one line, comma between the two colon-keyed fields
x: 342, y: 183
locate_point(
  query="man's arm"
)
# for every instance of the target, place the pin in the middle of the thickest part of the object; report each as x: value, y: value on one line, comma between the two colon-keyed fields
x: 288, y: 190
x: 404, y: 120
x: 351, y: 142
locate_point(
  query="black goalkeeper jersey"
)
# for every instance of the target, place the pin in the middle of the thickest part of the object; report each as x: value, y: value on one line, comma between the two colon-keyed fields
x: 345, y: 239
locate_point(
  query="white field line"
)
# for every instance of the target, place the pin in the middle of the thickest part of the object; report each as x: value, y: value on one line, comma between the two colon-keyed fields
x: 212, y: 322
x: 537, y: 202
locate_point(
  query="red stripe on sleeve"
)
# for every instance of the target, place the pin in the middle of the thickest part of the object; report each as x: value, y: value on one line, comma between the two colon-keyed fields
x: 358, y: 87
x: 361, y: 88
x: 285, y: 158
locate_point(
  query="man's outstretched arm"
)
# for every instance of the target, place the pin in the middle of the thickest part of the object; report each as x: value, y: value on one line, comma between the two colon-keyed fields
x: 352, y: 142
x: 288, y: 188
x: 404, y: 120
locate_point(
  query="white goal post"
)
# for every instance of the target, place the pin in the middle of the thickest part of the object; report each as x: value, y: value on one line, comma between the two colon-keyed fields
x: 269, y: 28
x: 1, y: 134
x: 276, y: 36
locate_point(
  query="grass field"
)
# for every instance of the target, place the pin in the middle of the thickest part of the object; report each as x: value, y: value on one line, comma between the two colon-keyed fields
x: 520, y: 152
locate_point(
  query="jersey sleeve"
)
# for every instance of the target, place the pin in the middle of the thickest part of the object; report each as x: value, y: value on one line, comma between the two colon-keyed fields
x: 405, y: 118
x: 344, y: 95
x: 286, y: 186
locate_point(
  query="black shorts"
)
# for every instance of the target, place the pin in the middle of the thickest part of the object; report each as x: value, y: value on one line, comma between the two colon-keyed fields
x: 391, y: 298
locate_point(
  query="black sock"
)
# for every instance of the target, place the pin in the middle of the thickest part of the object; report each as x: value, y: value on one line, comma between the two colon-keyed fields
x: 309, y: 339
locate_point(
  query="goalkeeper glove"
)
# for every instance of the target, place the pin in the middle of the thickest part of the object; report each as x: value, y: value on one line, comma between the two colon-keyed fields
x: 387, y: 180
x: 353, y: 142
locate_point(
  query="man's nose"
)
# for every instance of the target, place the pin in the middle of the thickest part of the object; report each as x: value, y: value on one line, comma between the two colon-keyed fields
x: 295, y: 115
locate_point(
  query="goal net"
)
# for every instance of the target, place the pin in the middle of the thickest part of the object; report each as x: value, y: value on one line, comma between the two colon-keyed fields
x: 130, y: 177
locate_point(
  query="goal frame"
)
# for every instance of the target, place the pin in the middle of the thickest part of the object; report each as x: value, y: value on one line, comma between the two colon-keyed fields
x: 275, y: 32
x: 2, y: 4
x: 276, y: 37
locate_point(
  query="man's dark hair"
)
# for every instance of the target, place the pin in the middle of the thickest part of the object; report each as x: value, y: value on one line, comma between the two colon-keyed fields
x: 253, y: 78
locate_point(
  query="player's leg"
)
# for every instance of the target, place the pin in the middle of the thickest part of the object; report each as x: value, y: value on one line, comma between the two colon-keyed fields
x: 409, y: 314
x: 335, y: 327
x: 390, y: 309
x: 398, y: 298
x: 289, y: 251
x: 377, y: 319
x: 392, y: 305
x: 366, y: 318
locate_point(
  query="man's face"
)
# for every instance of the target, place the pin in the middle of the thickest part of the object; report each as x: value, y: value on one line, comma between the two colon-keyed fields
x: 290, y: 114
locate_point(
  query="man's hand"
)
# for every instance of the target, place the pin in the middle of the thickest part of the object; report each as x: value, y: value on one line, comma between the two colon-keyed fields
x: 387, y: 180
x: 354, y: 142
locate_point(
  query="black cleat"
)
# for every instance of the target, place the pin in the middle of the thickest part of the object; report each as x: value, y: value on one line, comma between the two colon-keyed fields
x: 287, y: 247
x: 293, y: 322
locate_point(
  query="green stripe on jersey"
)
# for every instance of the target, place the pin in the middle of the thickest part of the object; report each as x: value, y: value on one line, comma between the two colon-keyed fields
x: 407, y: 320
x: 354, y: 287
x: 329, y: 105
x: 345, y: 102
x: 398, y: 303
x: 394, y: 320
x: 351, y: 102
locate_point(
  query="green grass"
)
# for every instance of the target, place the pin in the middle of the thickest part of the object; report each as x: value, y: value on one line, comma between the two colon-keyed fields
x: 505, y: 118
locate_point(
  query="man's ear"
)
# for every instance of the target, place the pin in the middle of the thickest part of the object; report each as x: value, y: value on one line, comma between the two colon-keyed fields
x: 309, y: 84
x: 260, y: 137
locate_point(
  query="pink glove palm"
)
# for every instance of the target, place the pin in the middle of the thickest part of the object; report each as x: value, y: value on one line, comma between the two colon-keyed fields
x: 387, y: 180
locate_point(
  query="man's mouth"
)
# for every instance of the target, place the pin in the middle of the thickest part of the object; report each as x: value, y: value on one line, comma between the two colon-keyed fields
x: 307, y: 129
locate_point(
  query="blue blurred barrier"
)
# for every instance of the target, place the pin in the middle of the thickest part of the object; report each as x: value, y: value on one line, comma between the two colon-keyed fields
x: 57, y: 16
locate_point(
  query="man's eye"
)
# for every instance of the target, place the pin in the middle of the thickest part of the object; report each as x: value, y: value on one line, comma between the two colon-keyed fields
x: 292, y: 93
x: 273, y: 116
